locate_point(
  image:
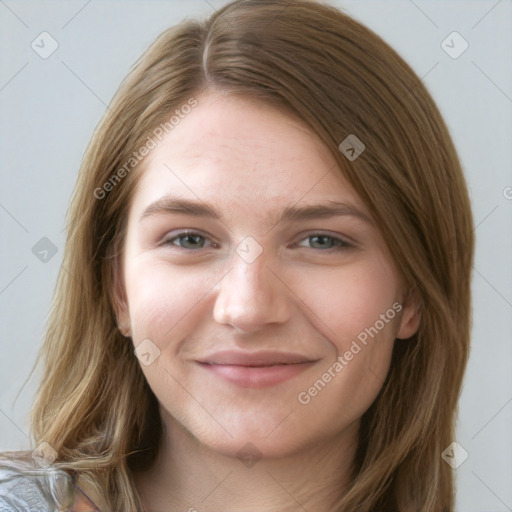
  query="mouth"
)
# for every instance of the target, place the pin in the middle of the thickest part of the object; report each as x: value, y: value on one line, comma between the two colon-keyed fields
x: 258, y: 369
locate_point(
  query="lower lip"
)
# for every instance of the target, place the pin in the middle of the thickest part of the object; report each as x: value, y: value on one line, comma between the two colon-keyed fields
x: 257, y: 376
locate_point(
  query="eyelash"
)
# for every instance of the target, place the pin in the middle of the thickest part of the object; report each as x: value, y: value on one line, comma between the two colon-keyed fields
x: 340, y: 244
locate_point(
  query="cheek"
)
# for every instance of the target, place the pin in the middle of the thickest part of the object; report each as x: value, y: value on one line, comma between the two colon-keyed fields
x: 347, y: 301
x: 357, y: 312
x: 162, y: 298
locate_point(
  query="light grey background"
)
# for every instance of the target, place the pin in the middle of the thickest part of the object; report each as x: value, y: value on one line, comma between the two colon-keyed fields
x: 49, y: 110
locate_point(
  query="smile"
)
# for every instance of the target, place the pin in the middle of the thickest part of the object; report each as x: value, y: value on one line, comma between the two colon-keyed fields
x: 256, y: 370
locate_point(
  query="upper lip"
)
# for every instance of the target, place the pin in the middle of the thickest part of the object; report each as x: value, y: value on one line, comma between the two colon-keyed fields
x: 261, y: 358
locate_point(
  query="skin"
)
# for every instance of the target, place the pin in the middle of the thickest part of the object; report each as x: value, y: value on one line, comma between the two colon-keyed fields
x: 192, y: 297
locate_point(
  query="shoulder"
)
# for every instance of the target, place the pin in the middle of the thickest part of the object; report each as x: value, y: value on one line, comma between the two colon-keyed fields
x: 25, y: 485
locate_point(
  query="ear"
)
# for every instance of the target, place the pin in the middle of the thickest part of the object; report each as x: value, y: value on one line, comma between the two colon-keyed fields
x: 120, y: 303
x: 411, y: 316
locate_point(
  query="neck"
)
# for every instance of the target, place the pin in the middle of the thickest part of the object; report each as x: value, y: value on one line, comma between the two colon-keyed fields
x: 190, y: 476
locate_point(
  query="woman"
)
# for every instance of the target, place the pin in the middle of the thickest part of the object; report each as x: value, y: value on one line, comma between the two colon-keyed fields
x: 266, y: 295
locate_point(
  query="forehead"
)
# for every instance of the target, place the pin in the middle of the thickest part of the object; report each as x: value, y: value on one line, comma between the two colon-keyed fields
x: 243, y: 151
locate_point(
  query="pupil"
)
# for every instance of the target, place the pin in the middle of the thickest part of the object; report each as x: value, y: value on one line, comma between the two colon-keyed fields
x: 321, y: 240
x: 192, y: 239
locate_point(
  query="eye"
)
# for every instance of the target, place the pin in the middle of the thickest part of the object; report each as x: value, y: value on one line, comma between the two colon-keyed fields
x: 324, y: 242
x: 187, y: 240
x: 192, y: 240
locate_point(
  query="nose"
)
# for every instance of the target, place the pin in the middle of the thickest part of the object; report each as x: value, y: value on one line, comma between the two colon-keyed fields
x: 251, y: 296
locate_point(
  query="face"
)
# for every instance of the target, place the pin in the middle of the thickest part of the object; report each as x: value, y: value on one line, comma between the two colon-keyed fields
x: 257, y: 289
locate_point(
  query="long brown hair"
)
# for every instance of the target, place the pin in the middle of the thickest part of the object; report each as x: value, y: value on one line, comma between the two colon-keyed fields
x: 94, y: 406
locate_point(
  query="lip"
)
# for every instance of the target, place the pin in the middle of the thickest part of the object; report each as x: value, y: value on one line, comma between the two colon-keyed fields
x: 257, y: 369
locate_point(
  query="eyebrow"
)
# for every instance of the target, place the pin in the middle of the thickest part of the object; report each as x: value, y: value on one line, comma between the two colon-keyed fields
x: 177, y: 205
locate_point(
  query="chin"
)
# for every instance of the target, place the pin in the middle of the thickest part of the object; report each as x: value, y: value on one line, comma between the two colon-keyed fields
x: 248, y: 447
x: 258, y: 435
